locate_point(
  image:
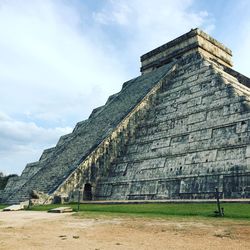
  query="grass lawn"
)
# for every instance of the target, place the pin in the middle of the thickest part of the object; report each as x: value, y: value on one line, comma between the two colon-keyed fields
x: 3, y: 206
x: 233, y: 211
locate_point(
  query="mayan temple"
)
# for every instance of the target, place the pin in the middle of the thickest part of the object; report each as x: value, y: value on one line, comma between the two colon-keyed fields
x: 178, y: 131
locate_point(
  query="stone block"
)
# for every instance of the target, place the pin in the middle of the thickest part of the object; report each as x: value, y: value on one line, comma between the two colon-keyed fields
x: 242, y: 126
x: 202, y: 156
x: 200, y: 135
x: 231, y: 153
x: 223, y: 132
x: 14, y: 208
x: 248, y: 151
x: 214, y: 114
x: 61, y: 210
x: 194, y: 102
x: 197, y: 117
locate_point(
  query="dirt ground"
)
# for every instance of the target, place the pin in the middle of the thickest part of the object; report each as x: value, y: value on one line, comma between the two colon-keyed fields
x: 41, y: 230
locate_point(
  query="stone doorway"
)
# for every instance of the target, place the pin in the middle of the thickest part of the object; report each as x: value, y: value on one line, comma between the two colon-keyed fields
x: 87, y: 192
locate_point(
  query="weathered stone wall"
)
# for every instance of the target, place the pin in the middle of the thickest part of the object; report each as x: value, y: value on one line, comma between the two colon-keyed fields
x: 193, y: 139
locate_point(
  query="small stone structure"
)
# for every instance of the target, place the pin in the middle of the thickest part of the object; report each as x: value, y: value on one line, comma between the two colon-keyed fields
x: 178, y: 131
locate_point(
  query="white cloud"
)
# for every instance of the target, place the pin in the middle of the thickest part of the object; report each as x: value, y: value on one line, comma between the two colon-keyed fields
x: 22, y: 142
x: 49, y: 59
x: 117, y: 12
x: 22, y: 132
x: 152, y: 23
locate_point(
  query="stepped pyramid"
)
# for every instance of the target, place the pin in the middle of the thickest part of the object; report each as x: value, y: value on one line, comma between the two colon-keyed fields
x: 178, y: 131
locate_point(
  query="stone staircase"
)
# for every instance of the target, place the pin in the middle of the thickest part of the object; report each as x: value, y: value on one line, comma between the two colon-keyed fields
x: 56, y: 164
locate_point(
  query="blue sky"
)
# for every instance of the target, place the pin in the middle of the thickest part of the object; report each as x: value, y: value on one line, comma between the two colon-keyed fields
x: 62, y: 58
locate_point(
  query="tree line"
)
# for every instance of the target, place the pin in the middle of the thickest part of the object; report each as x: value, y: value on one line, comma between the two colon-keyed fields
x: 4, y: 179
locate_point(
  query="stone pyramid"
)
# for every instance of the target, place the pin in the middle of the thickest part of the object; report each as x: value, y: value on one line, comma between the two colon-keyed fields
x: 178, y: 131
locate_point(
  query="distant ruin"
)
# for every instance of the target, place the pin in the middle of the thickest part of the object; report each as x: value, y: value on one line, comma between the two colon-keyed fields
x: 178, y: 131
